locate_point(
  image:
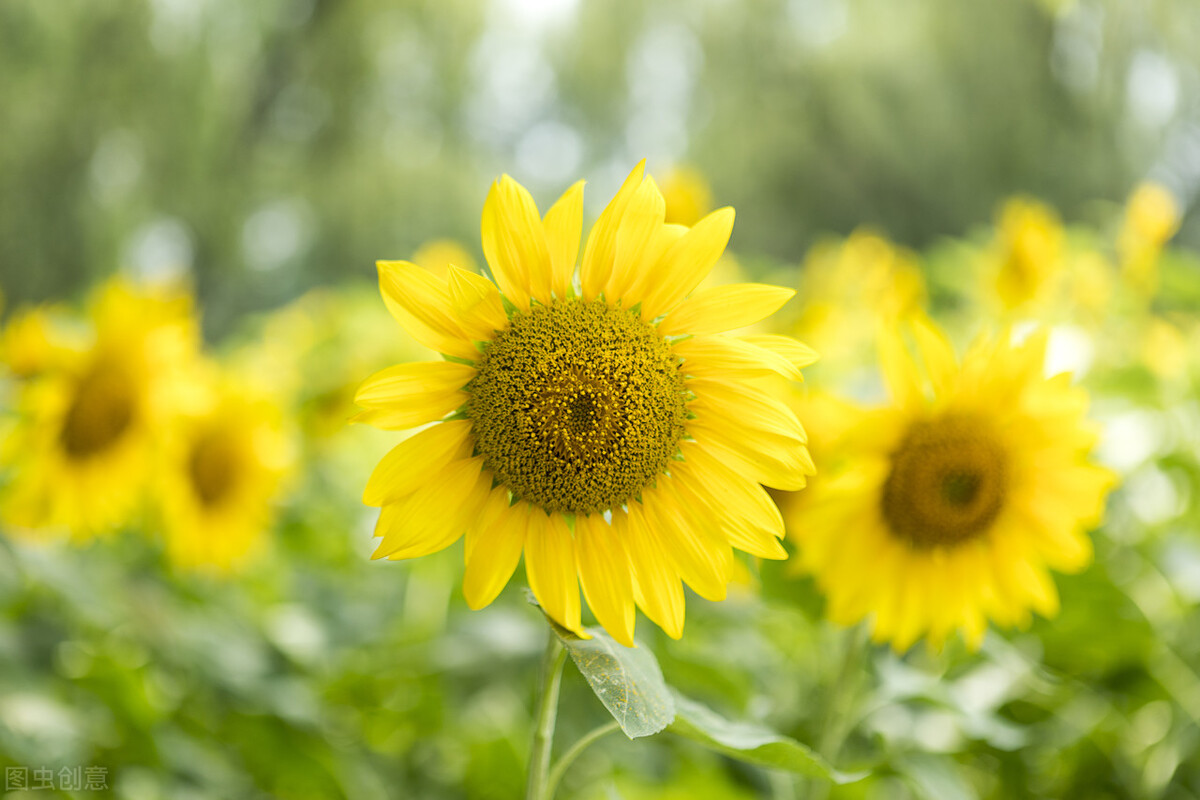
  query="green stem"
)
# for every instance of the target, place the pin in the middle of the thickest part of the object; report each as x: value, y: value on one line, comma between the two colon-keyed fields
x: 839, y: 719
x: 564, y: 761
x: 547, y: 711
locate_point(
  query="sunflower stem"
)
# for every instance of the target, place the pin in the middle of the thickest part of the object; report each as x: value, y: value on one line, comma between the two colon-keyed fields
x: 555, y: 656
x: 841, y: 711
x: 565, y: 760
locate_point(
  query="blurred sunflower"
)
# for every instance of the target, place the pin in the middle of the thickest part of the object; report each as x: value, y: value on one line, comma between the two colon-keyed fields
x: 1151, y: 218
x: 1027, y: 254
x: 437, y: 255
x: 950, y: 507
x: 30, y: 342
x: 687, y: 195
x: 81, y: 449
x: 222, y: 468
x: 849, y: 285
x: 605, y: 427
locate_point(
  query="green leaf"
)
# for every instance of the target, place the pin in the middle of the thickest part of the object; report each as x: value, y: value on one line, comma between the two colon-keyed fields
x: 627, y: 680
x: 754, y: 744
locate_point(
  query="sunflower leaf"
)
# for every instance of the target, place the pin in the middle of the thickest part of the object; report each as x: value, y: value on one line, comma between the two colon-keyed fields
x: 750, y: 743
x: 627, y: 680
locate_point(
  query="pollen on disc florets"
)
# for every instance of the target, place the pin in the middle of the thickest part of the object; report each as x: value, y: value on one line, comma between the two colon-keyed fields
x: 947, y: 483
x: 578, y: 406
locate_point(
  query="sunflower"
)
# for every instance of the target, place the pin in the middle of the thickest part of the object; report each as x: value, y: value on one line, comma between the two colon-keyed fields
x: 81, y: 449
x: 1028, y: 253
x: 222, y: 468
x: 950, y: 507
x: 603, y: 426
x: 1152, y: 217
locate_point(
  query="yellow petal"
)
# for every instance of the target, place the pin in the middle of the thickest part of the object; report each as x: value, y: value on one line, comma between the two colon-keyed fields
x: 425, y: 516
x: 564, y: 225
x: 453, y: 520
x: 899, y: 372
x: 656, y: 584
x: 745, y: 529
x: 936, y: 352
x: 421, y: 303
x: 739, y: 406
x: 477, y: 303
x: 632, y: 257
x: 550, y: 567
x: 408, y: 395
x: 725, y: 356
x: 605, y: 575
x: 412, y: 462
x: 798, y: 353
x: 514, y: 243
x: 493, y: 548
x: 699, y: 560
x: 723, y: 308
x: 728, y: 489
x: 781, y: 467
x: 687, y: 262
x: 600, y: 251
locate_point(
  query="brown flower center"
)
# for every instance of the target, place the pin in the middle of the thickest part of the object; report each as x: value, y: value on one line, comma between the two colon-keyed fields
x: 578, y: 406
x: 947, y: 484
x: 101, y: 411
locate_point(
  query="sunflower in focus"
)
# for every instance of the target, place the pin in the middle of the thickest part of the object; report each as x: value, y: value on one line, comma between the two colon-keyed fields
x: 606, y: 426
x: 221, y: 471
x: 81, y: 449
x: 950, y: 507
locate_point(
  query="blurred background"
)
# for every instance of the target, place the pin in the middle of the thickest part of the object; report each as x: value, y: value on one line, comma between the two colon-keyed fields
x: 267, y: 148
x: 264, y: 155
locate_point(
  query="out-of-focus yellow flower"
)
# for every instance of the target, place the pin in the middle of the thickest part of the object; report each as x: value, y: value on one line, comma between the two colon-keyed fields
x: 314, y: 351
x: 948, y: 508
x: 1027, y: 254
x: 30, y: 342
x: 1092, y: 279
x: 616, y: 437
x: 221, y: 468
x: 1165, y: 349
x: 687, y: 194
x: 853, y: 285
x: 81, y: 450
x: 437, y: 255
x: 1151, y: 218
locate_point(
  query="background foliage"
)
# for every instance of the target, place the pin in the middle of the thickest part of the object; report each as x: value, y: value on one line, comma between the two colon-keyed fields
x: 262, y: 149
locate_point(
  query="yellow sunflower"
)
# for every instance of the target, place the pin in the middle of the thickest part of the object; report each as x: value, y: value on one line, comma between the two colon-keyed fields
x: 603, y: 426
x: 1152, y: 217
x: 81, y: 448
x: 1028, y: 253
x: 437, y: 254
x: 949, y: 507
x: 222, y: 467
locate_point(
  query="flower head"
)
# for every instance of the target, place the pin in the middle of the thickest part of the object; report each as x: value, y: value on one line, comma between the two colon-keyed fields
x: 949, y: 507
x: 83, y: 443
x: 604, y: 426
x: 221, y: 467
x: 1028, y: 252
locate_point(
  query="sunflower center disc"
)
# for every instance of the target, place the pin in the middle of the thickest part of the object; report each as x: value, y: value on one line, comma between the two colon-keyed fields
x: 101, y: 410
x: 578, y: 406
x: 947, y: 482
x: 213, y: 468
